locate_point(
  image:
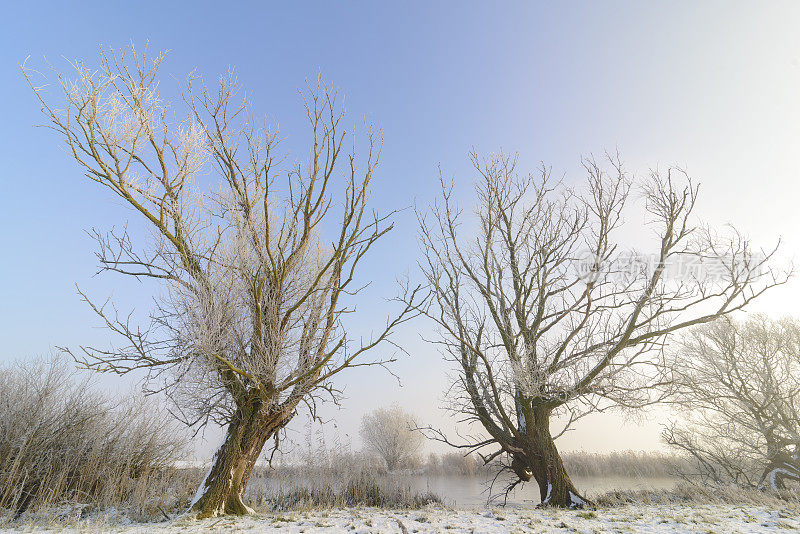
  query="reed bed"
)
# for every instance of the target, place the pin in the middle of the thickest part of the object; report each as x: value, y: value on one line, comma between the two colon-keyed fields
x: 628, y: 464
x: 359, y: 487
x: 686, y: 493
x: 65, y: 446
x: 322, y: 477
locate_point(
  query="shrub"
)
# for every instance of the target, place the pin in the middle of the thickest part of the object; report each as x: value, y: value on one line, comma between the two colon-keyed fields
x: 61, y: 442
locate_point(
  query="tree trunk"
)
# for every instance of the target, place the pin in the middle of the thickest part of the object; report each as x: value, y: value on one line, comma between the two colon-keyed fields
x: 223, y: 488
x: 542, y: 462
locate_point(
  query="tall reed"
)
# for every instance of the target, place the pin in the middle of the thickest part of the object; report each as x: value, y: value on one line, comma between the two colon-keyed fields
x: 64, y: 443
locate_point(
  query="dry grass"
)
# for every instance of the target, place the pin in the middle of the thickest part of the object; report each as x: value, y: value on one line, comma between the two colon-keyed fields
x: 630, y: 464
x: 63, y: 445
x: 360, y: 487
x: 695, y: 494
x: 326, y: 478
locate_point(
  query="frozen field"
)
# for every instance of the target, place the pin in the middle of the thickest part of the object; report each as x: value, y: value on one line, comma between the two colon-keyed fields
x: 701, y: 518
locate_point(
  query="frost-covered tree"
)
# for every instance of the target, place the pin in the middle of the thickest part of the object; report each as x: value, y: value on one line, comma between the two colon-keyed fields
x: 739, y: 401
x: 256, y: 272
x: 547, y: 315
x: 390, y: 434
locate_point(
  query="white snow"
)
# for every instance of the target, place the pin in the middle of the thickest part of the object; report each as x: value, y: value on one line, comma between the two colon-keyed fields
x: 522, y: 424
x: 776, y: 472
x: 575, y: 500
x: 437, y: 518
x: 549, y: 491
x: 201, y: 487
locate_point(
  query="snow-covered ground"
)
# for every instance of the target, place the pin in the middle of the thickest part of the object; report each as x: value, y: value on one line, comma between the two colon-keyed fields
x: 672, y: 518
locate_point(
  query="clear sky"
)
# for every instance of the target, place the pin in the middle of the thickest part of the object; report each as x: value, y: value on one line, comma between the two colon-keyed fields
x: 711, y: 86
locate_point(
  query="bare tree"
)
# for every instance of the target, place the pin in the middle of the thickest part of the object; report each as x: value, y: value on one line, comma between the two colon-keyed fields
x: 256, y: 274
x: 739, y: 400
x: 389, y: 433
x: 547, y: 316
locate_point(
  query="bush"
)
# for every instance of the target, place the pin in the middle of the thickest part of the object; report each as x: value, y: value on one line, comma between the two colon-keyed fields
x: 63, y: 443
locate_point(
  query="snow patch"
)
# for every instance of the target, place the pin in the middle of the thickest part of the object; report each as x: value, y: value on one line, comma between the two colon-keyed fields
x: 575, y: 501
x: 775, y: 472
x: 202, y: 486
x: 549, y: 491
x: 522, y: 424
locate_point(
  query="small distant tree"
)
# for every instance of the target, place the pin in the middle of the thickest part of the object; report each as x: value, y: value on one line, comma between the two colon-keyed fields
x: 389, y: 433
x: 546, y: 315
x: 256, y: 272
x: 459, y: 464
x: 433, y: 465
x: 739, y: 398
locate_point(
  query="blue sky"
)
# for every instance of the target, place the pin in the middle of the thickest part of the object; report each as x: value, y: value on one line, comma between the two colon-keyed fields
x: 712, y: 86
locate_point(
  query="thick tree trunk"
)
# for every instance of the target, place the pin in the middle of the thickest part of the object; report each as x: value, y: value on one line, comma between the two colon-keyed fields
x: 223, y: 488
x: 542, y: 462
